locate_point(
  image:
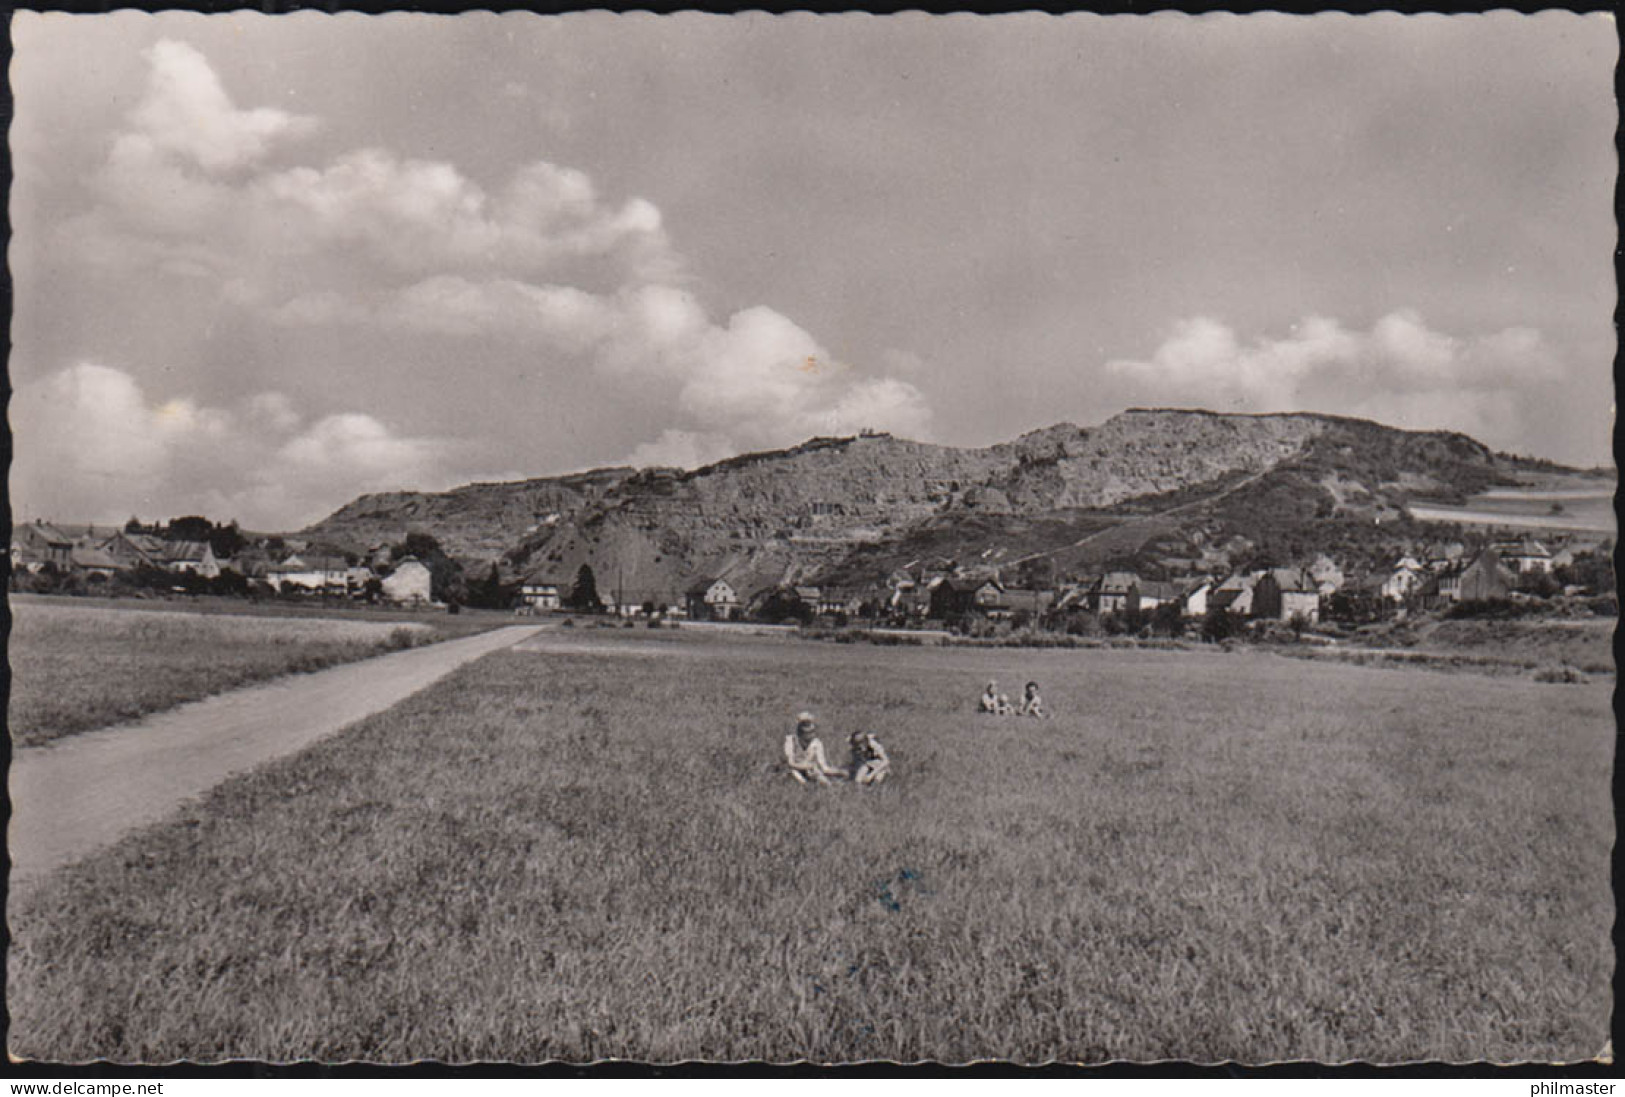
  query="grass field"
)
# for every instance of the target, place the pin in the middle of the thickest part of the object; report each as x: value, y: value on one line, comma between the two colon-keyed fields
x: 78, y: 665
x: 590, y: 852
x: 1582, y: 504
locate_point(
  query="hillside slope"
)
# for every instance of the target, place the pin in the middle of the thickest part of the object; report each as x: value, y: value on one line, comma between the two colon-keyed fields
x: 849, y: 509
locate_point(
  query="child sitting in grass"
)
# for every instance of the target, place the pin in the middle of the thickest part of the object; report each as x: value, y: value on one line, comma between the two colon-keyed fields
x: 869, y: 762
x: 805, y: 754
x: 995, y: 702
x: 1031, y: 703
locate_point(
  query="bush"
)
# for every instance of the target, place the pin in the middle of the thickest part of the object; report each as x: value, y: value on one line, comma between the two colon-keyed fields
x: 568, y: 622
x: 1561, y: 675
x: 1493, y: 609
x: 1220, y: 625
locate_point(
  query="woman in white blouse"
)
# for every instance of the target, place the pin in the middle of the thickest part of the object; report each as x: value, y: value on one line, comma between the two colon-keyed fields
x: 805, y: 753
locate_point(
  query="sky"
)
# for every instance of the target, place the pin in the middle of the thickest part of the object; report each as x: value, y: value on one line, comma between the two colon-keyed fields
x: 264, y: 264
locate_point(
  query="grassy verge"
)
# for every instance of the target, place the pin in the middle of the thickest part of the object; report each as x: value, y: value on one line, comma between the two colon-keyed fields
x: 80, y: 666
x: 1201, y: 857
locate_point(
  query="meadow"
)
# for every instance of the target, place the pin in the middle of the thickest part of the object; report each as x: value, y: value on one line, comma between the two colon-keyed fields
x: 1554, y: 502
x: 584, y: 848
x: 78, y: 665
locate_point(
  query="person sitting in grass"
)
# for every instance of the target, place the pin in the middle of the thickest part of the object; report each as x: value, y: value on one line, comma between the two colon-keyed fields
x: 805, y: 753
x: 994, y: 702
x: 1031, y: 703
x: 869, y: 762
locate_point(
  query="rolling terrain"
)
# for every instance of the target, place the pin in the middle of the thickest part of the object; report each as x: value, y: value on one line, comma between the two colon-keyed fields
x: 1155, y: 488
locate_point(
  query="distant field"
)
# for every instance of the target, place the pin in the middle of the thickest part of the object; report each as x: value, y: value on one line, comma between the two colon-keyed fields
x: 1583, y: 506
x: 77, y: 666
x: 1205, y: 856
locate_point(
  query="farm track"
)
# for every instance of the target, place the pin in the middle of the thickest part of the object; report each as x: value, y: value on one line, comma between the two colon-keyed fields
x: 86, y: 791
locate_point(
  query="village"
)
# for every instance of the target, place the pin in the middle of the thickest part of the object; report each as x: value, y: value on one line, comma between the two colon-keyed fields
x: 191, y: 556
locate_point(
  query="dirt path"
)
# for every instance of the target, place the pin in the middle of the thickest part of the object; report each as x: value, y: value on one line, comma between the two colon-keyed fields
x: 83, y: 792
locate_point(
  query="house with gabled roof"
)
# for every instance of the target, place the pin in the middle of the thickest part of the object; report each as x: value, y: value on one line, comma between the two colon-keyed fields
x: 1286, y: 594
x: 1115, y: 592
x: 188, y: 556
x: 94, y: 560
x: 1235, y: 594
x: 1193, y: 597
x: 712, y: 598
x: 955, y: 597
x: 135, y: 550
x: 35, y: 544
x: 541, y: 591
x: 409, y: 582
x: 1158, y: 592
x: 1525, y: 556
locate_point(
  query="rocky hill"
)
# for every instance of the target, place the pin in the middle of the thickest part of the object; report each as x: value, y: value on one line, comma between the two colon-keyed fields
x: 849, y: 509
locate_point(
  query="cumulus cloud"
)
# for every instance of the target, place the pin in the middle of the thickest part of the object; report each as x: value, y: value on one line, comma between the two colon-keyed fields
x: 1400, y: 371
x: 91, y: 444
x: 539, y: 264
x: 186, y: 113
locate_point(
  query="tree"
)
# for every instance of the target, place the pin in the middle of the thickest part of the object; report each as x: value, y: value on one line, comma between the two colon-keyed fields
x: 1168, y: 619
x: 584, y: 595
x: 419, y: 544
x: 783, y: 604
x: 227, y: 540
x: 487, y: 593
x: 231, y: 582
x: 1220, y: 624
x: 193, y: 527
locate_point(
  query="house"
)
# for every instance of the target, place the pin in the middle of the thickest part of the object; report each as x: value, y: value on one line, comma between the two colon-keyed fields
x: 409, y: 583
x: 1116, y: 592
x: 310, y: 571
x: 96, y: 561
x: 35, y: 544
x: 1394, y: 584
x: 540, y: 592
x: 808, y: 596
x: 1194, y: 598
x: 1286, y: 594
x: 1524, y: 556
x: 908, y: 596
x: 849, y: 602
x: 135, y: 550
x: 1326, y: 575
x: 1486, y: 579
x: 712, y: 599
x: 252, y: 564
x: 1155, y: 592
x: 955, y: 597
x: 1235, y: 594
x: 1444, y: 555
x: 1013, y: 600
x: 1563, y: 558
x: 183, y: 556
